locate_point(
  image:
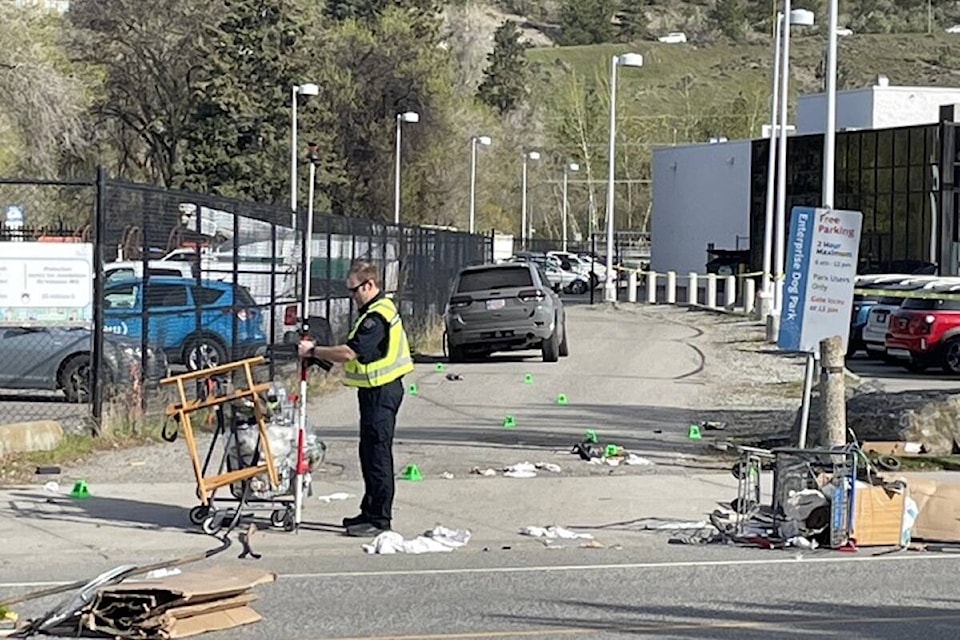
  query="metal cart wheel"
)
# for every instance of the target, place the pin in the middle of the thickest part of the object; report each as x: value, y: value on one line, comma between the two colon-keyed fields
x: 289, y: 519
x: 212, y: 524
x: 199, y: 513
x: 277, y: 517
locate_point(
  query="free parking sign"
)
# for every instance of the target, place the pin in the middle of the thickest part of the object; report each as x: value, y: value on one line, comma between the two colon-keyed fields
x: 822, y: 255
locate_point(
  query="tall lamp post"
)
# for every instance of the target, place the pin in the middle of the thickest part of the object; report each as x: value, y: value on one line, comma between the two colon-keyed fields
x: 767, y: 297
x: 567, y: 168
x: 474, y: 141
x: 527, y: 155
x: 830, y: 131
x: 412, y: 117
x: 622, y: 60
x: 308, y: 89
x: 797, y: 18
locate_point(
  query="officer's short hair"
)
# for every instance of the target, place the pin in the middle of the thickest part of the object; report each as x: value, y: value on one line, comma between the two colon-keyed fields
x: 365, y: 270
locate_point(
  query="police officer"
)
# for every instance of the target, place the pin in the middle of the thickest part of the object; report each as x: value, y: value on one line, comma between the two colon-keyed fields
x: 375, y: 358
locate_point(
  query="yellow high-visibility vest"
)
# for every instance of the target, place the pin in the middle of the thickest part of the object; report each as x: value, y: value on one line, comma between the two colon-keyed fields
x: 396, y: 363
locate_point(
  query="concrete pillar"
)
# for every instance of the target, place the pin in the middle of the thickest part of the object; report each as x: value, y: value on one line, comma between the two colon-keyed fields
x: 749, y: 295
x: 693, y: 289
x: 651, y: 287
x: 712, y: 290
x: 730, y: 292
x: 632, y: 286
x: 671, y: 287
x: 833, y: 398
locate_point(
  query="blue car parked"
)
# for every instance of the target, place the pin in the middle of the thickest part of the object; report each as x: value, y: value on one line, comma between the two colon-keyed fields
x: 192, y: 321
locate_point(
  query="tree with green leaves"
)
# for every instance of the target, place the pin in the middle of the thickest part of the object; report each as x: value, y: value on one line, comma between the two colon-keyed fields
x: 148, y: 56
x: 633, y: 20
x: 586, y: 21
x: 731, y: 18
x: 236, y: 138
x: 42, y: 95
x: 504, y: 83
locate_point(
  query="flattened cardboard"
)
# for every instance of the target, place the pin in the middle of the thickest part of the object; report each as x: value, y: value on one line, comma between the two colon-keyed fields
x: 209, y: 599
x: 209, y: 581
x: 938, y: 504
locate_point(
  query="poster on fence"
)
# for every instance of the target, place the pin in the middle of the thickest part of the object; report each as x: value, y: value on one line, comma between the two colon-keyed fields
x: 44, y: 284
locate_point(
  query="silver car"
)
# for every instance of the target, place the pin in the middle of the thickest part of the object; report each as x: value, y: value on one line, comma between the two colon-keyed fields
x: 505, y: 307
x: 58, y: 359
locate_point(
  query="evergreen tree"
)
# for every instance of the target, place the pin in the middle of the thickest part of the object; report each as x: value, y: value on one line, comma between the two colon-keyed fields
x: 586, y: 21
x: 505, y: 78
x: 731, y: 18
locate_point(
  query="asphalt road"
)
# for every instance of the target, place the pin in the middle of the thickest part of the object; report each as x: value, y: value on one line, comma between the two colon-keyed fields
x: 637, y: 382
x: 895, y: 378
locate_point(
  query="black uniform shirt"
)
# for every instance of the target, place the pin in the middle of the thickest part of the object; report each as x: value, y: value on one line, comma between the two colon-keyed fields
x: 370, y: 340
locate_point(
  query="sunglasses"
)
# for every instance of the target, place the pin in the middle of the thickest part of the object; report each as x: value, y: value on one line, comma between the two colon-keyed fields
x: 357, y: 288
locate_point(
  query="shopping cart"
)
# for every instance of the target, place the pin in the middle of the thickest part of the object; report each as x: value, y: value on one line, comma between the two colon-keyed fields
x: 253, y: 440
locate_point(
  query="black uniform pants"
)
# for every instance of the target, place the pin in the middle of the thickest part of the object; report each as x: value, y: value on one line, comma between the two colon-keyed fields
x: 378, y: 419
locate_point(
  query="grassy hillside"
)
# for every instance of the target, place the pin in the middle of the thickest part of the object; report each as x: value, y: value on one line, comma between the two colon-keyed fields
x: 682, y: 79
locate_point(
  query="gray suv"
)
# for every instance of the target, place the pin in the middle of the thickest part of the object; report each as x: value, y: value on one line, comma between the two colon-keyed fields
x: 504, y: 307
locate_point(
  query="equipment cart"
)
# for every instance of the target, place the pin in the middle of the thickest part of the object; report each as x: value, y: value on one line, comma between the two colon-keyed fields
x: 255, y: 444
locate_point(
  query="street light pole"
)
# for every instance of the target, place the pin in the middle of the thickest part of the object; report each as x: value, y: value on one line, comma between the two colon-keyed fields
x: 625, y: 60
x: 308, y: 89
x: 527, y: 155
x: 803, y: 18
x: 830, y: 131
x: 570, y: 166
x: 409, y: 116
x: 474, y: 141
x: 771, y: 172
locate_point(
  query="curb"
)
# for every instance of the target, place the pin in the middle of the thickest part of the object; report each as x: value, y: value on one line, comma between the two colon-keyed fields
x: 24, y: 437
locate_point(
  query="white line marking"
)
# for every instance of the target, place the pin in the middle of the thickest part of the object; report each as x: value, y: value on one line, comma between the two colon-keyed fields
x: 572, y: 567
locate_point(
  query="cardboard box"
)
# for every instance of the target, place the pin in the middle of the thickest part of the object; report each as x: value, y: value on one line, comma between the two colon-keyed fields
x: 877, y: 516
x: 191, y: 603
x: 938, y: 504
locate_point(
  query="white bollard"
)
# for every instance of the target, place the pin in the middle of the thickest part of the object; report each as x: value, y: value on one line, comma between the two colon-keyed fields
x: 651, y: 287
x: 712, y: 290
x: 693, y: 289
x: 730, y: 292
x: 632, y: 286
x: 749, y: 295
x: 671, y: 287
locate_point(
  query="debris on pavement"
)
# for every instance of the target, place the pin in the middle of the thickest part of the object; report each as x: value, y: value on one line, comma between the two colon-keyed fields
x: 712, y: 425
x: 335, y: 497
x: 173, y: 606
x: 437, y: 540
x: 613, y: 455
x: 554, y: 533
x: 549, y: 466
x: 446, y: 475
x: 483, y: 472
x: 520, y: 470
x: 453, y: 377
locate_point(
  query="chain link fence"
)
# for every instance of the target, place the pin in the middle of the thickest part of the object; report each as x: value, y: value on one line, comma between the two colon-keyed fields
x: 185, y: 281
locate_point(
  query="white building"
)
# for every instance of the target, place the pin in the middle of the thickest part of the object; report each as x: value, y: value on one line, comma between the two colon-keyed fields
x: 702, y: 192
x: 878, y: 107
x: 701, y: 195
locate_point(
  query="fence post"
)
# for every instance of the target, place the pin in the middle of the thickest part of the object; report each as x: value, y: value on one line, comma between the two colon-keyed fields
x: 730, y: 292
x: 749, y: 295
x: 651, y: 287
x: 693, y: 290
x: 712, y: 290
x: 632, y: 286
x: 96, y: 357
x: 671, y: 287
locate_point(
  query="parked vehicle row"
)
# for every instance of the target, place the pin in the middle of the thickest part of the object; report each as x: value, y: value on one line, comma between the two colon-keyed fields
x: 565, y: 271
x: 912, y: 320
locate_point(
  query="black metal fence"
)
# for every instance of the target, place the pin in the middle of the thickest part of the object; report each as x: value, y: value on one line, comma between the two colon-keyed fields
x: 225, y: 282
